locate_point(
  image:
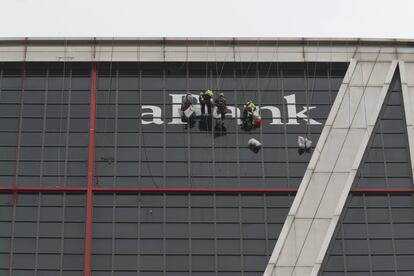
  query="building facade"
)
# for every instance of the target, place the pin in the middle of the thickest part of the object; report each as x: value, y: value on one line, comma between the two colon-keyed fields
x: 99, y: 175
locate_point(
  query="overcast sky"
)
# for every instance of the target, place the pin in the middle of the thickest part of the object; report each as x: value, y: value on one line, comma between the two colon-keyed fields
x: 211, y: 18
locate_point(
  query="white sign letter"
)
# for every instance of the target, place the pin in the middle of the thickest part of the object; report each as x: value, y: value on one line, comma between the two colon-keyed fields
x: 275, y: 114
x: 234, y: 113
x: 156, y: 115
x: 176, y: 104
x: 305, y: 117
x: 293, y: 115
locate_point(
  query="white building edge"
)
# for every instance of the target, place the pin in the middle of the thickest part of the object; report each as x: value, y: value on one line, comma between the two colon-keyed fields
x: 317, y: 207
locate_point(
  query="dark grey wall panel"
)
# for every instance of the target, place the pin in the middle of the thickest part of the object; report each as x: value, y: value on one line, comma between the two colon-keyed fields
x: 375, y: 237
x: 44, y: 119
x: 42, y: 234
x: 168, y: 155
x: 386, y: 163
x: 186, y: 234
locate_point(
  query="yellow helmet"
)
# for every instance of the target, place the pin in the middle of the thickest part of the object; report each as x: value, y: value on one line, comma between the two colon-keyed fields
x: 249, y: 104
x: 209, y: 93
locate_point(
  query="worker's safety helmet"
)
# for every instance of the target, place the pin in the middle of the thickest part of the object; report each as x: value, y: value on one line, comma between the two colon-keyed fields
x: 221, y: 95
x: 188, y: 93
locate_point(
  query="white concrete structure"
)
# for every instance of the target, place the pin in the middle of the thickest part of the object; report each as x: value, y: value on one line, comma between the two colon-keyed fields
x: 214, y: 49
x: 314, y: 215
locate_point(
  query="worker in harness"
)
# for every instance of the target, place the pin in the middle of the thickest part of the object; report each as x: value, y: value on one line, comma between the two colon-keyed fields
x: 250, y: 118
x: 206, y: 99
x: 221, y: 105
x: 187, y: 109
x: 249, y: 108
x: 186, y: 101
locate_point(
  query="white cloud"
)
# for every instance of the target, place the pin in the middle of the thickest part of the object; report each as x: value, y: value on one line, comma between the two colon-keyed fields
x: 212, y: 18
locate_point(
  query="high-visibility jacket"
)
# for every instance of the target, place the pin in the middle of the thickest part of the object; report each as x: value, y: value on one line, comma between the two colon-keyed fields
x: 250, y: 105
x: 209, y: 93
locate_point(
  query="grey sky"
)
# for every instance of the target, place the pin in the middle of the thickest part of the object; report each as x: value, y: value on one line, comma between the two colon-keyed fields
x: 196, y: 18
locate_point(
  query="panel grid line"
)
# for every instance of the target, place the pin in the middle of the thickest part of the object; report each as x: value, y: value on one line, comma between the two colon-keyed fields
x: 52, y: 189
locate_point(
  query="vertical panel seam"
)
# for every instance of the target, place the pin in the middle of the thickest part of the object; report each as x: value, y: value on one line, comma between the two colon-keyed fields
x: 91, y: 158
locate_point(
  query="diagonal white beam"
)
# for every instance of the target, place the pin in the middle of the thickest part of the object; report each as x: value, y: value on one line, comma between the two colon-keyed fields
x: 314, y: 214
x: 407, y: 87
